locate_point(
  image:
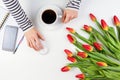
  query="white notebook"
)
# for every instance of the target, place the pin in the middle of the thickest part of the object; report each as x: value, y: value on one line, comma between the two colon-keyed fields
x: 3, y: 16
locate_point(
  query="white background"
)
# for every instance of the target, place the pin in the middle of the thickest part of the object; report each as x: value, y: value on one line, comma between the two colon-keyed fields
x: 28, y: 64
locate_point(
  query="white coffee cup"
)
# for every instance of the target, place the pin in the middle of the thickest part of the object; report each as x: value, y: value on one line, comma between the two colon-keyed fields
x: 49, y: 16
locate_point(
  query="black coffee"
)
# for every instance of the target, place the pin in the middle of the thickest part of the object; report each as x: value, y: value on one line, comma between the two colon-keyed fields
x: 49, y: 16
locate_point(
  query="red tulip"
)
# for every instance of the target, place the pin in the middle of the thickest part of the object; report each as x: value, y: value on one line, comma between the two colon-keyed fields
x: 68, y: 52
x: 101, y: 64
x: 80, y: 76
x: 93, y: 18
x: 104, y: 25
x: 98, y: 46
x: 71, y: 30
x: 88, y: 47
x: 72, y: 59
x: 116, y: 21
x: 65, y: 68
x: 82, y: 54
x: 71, y: 38
x: 87, y: 28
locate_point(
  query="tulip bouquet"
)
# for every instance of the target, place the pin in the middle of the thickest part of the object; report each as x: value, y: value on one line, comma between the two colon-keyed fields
x: 99, y: 57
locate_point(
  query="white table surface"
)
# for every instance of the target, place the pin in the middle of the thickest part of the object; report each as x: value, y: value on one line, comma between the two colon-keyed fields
x: 28, y: 64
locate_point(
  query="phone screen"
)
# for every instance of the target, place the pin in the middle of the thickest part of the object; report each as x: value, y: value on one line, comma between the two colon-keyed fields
x: 9, y: 38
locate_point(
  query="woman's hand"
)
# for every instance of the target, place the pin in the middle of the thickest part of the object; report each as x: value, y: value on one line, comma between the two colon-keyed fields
x: 69, y: 14
x: 33, y: 39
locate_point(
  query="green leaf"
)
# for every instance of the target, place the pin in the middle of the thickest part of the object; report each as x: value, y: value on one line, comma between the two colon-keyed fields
x: 91, y: 72
x: 92, y: 38
x: 112, y: 75
x: 118, y: 32
x: 101, y: 39
x: 111, y: 47
x: 80, y: 64
x: 103, y: 78
x: 82, y: 38
x: 99, y: 26
x: 96, y: 57
x: 117, y: 69
x: 112, y: 41
x: 111, y: 31
x: 107, y: 52
x: 111, y: 62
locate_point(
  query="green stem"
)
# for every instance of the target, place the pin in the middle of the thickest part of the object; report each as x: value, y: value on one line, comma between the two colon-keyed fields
x: 99, y: 26
x: 108, y: 59
x: 82, y: 38
x: 111, y: 68
x: 118, y: 32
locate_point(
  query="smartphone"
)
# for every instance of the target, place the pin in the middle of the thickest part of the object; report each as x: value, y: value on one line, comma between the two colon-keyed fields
x: 9, y: 38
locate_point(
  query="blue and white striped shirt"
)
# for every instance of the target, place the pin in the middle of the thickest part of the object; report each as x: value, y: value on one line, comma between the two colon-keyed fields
x: 74, y: 4
x: 21, y: 18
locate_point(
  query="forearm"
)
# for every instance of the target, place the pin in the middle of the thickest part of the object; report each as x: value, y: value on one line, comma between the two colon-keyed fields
x: 18, y: 13
x: 74, y: 4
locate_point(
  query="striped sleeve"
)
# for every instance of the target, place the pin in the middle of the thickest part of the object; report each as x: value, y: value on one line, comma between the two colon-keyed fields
x: 73, y: 4
x: 18, y: 13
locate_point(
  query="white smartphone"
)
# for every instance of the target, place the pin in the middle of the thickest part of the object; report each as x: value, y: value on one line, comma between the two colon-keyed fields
x: 9, y: 38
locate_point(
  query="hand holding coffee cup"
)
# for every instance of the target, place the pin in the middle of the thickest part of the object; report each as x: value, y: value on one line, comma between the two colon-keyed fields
x: 69, y: 14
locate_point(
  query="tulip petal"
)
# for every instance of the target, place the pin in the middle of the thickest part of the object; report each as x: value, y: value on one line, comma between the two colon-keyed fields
x: 68, y: 52
x: 87, y: 47
x: 116, y: 21
x: 87, y: 28
x: 93, y: 18
x: 101, y: 64
x: 71, y: 38
x: 65, y: 69
x: 80, y: 76
x: 71, y: 30
x: 104, y: 25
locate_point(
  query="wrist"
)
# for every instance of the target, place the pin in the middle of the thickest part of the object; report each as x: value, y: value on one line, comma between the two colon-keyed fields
x: 28, y: 29
x: 69, y: 8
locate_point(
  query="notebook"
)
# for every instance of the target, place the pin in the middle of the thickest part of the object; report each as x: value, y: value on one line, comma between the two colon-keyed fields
x: 3, y: 16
